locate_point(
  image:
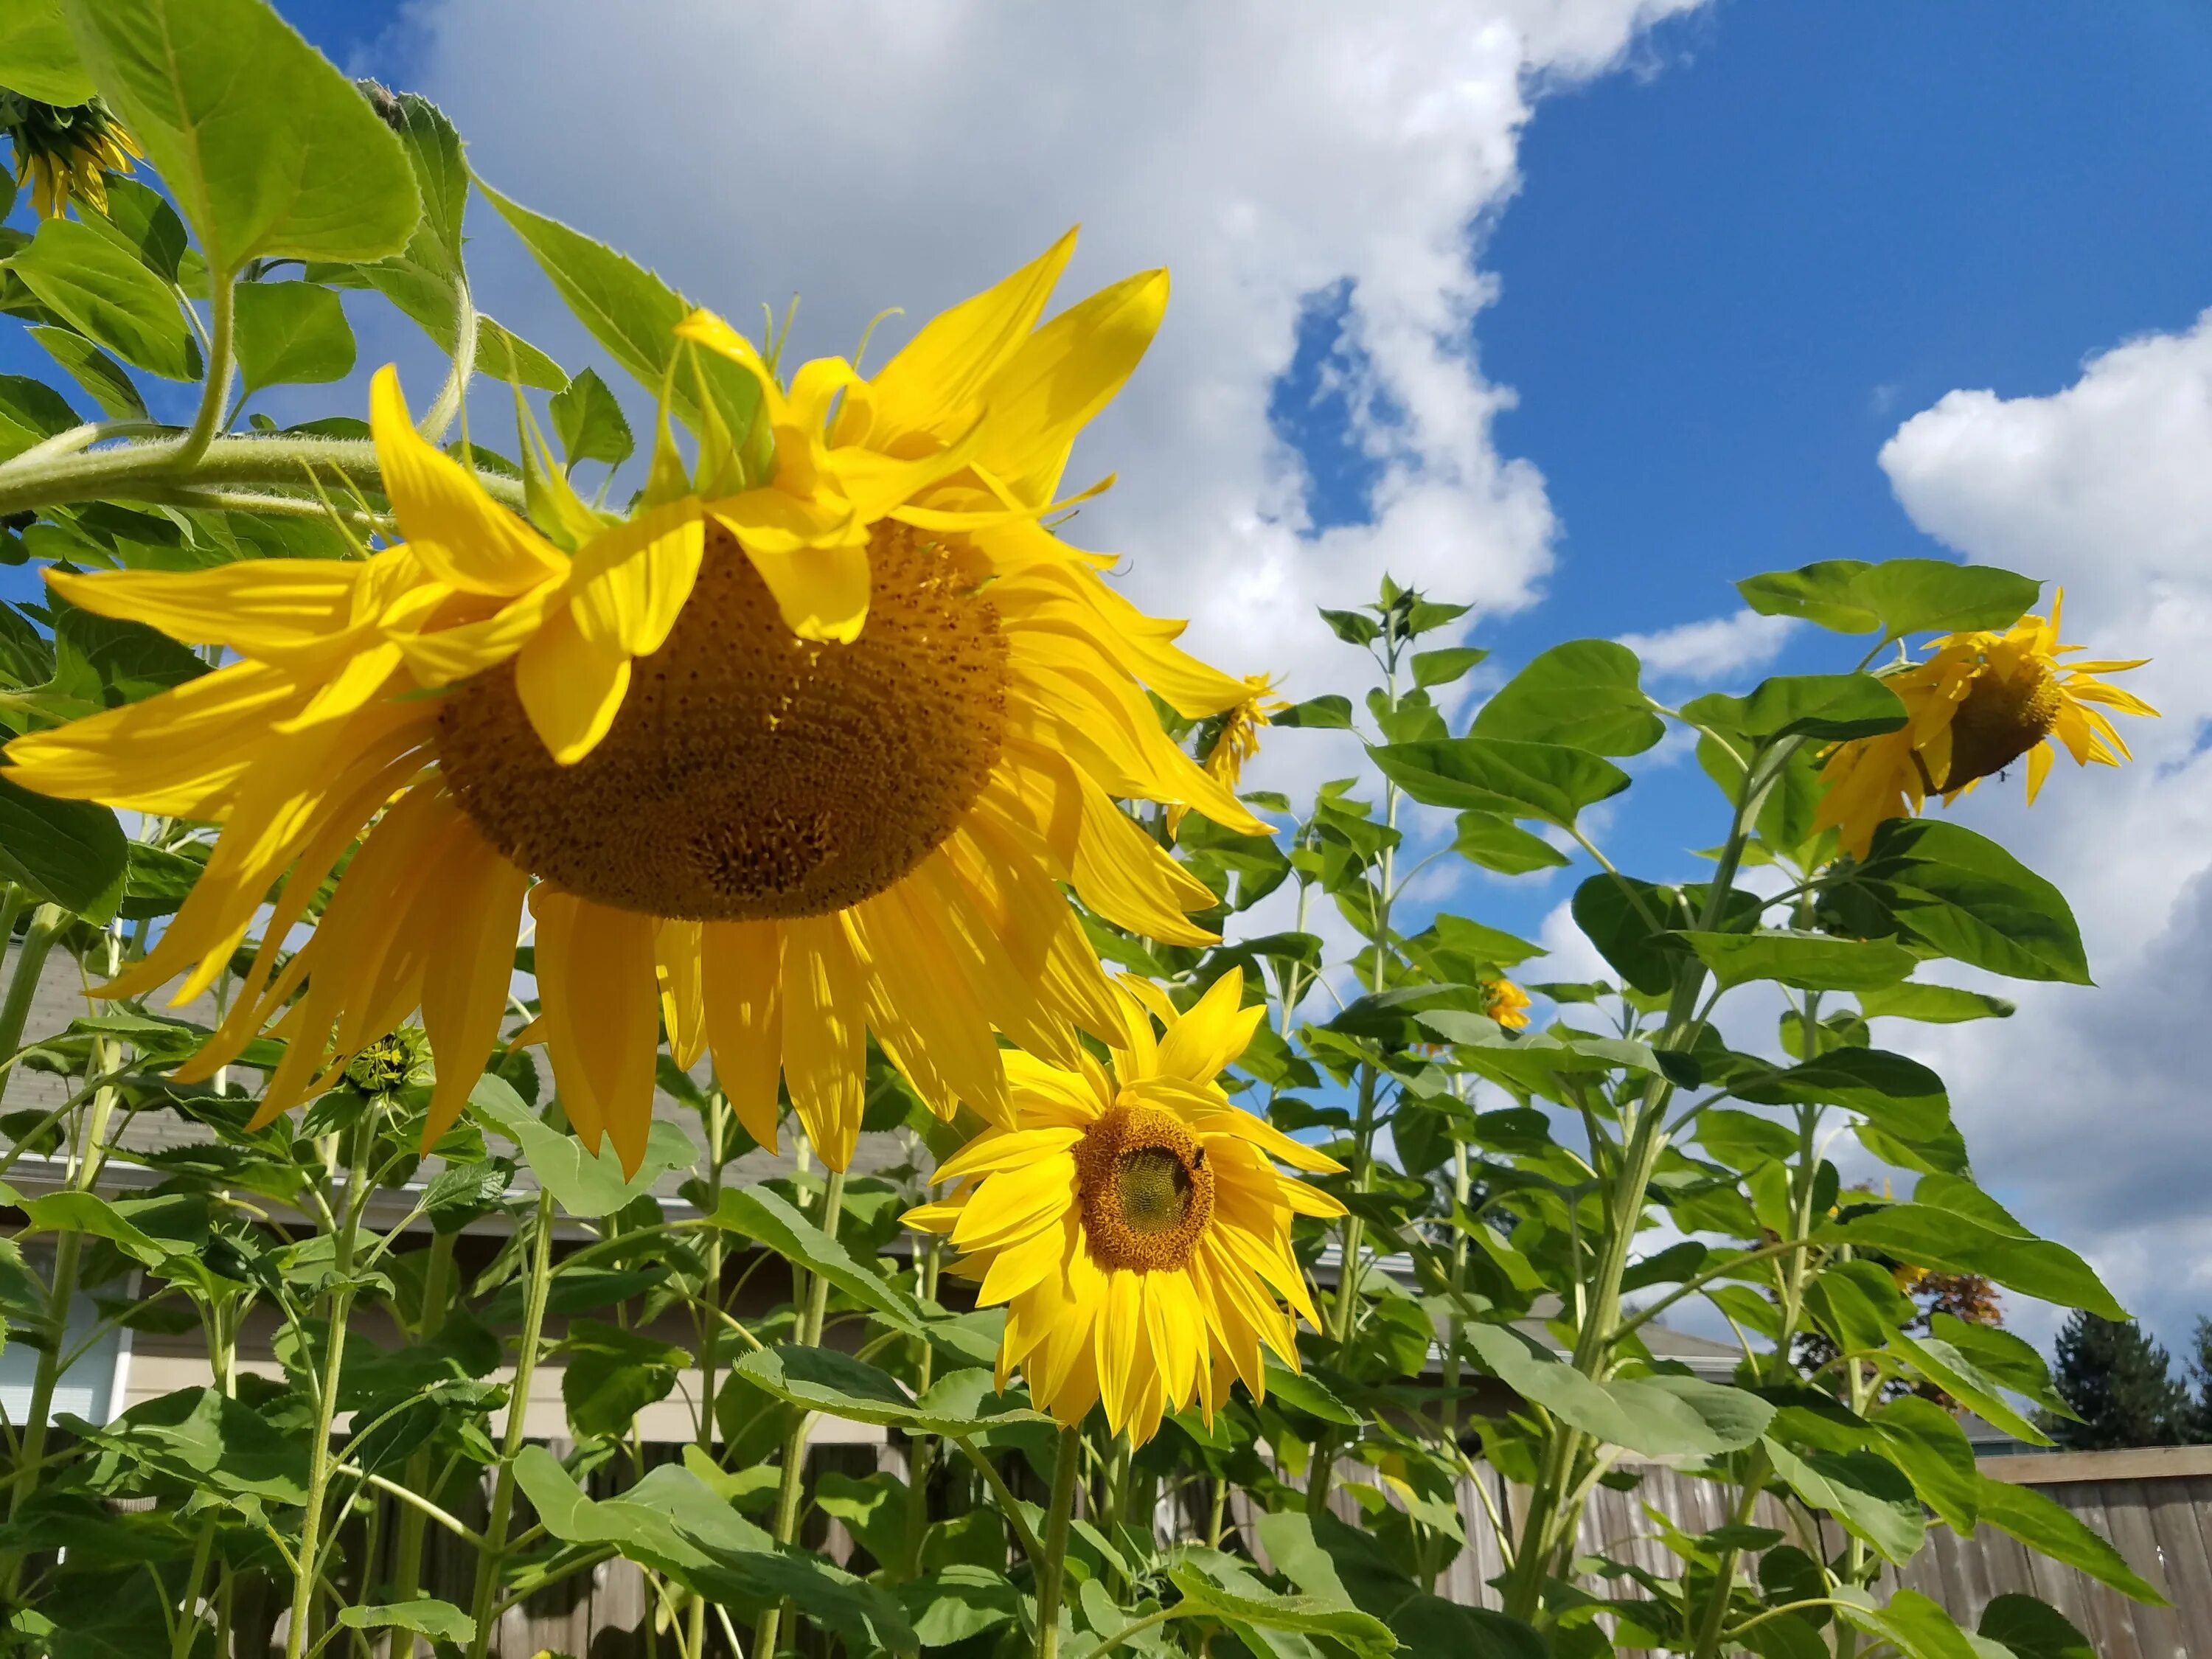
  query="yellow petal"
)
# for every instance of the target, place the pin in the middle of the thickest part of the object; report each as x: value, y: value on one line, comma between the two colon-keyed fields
x: 1061, y: 377
x: 1234, y: 1120
x: 821, y: 590
x: 446, y: 654
x: 825, y: 1060
x: 257, y: 607
x: 602, y: 996
x: 924, y: 1010
x: 571, y: 688
x: 940, y: 372
x: 676, y: 949
x: 1014, y: 1203
x: 1212, y: 1034
x: 464, y: 989
x: 632, y: 580
x: 742, y: 970
x: 464, y: 536
x: 1005, y: 1149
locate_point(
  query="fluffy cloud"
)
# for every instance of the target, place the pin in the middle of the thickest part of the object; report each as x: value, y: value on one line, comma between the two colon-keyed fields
x: 1713, y: 649
x: 868, y: 153
x: 2089, y: 1107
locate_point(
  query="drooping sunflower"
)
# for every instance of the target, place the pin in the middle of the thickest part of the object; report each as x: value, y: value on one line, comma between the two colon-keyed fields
x: 1978, y: 703
x: 1132, y: 1221
x: 65, y: 149
x: 1236, y: 739
x: 781, y: 763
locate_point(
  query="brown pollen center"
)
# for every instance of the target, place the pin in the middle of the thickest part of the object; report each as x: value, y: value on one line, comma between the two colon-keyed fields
x: 2001, y: 719
x: 751, y: 774
x: 1146, y: 1190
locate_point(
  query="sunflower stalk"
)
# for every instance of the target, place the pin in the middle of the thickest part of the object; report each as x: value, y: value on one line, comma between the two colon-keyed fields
x: 1052, y: 1570
x: 491, y: 1558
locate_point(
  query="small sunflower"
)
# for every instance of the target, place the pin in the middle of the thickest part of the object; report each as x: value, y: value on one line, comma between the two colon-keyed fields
x: 65, y: 150
x: 780, y: 765
x: 1237, y: 739
x: 1976, y: 703
x: 1506, y: 1003
x: 1133, y: 1223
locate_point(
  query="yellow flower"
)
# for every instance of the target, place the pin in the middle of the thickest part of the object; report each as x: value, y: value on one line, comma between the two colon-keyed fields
x: 1238, y: 739
x: 791, y: 762
x: 1976, y: 703
x: 1506, y: 1003
x: 1134, y: 1224
x: 65, y: 150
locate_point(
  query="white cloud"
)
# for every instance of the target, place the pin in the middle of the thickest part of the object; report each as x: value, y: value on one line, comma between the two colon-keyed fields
x: 1713, y: 649
x: 867, y: 153
x: 2088, y: 1107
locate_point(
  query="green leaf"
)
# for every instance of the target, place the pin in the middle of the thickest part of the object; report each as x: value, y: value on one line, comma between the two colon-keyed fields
x: 1900, y: 597
x: 825, y: 1380
x: 633, y: 314
x: 1297, y: 1389
x: 586, y: 1184
x: 149, y: 1231
x: 1330, y: 713
x: 103, y: 662
x: 1583, y: 694
x: 1361, y: 1633
x: 158, y: 883
x: 1549, y: 782
x: 1496, y: 842
x: 1866, y: 1494
x: 1444, y: 667
x: 2051, y: 1529
x: 1943, y: 1364
x: 506, y: 356
x: 1945, y: 1240
x: 590, y: 423
x: 1809, y: 962
x: 205, y: 1439
x: 1901, y: 1096
x: 957, y: 1601
x: 109, y: 296
x: 1932, y: 1004
x: 70, y: 852
x: 1658, y: 1416
x: 756, y: 1213
x: 1926, y: 1442
x: 1353, y: 627
x: 611, y: 1374
x: 291, y: 333
x: 148, y: 226
x: 37, y: 56
x: 1996, y: 1353
x: 269, y: 150
x: 2032, y: 1629
x: 1858, y: 1305
x: 440, y: 1620
x: 100, y: 374
x: 30, y: 412
x: 1917, y: 1627
x: 1826, y: 706
x: 1949, y: 889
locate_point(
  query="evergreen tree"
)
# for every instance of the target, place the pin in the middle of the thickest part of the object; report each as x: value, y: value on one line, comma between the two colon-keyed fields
x: 2120, y: 1383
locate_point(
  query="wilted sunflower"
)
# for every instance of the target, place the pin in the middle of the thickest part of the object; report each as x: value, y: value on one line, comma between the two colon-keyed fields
x: 65, y: 149
x: 1132, y: 1222
x: 1506, y: 1003
x: 789, y: 763
x: 1978, y: 703
x: 1236, y: 739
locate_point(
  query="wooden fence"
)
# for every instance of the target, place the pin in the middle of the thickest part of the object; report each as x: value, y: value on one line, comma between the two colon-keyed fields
x: 2154, y: 1505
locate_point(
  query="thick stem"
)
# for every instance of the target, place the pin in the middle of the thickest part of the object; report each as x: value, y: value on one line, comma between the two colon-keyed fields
x: 215, y: 393
x: 710, y: 1328
x: 407, y: 1542
x: 47, y: 922
x: 921, y: 1447
x: 491, y: 1558
x: 793, y: 1482
x: 308, y: 1573
x: 188, y: 1614
x: 1052, y: 1571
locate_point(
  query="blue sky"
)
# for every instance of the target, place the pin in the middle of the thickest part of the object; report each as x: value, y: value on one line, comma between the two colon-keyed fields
x: 1634, y: 308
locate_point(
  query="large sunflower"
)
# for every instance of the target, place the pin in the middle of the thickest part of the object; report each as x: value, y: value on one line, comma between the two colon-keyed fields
x: 1977, y: 702
x: 1132, y: 1220
x: 790, y: 761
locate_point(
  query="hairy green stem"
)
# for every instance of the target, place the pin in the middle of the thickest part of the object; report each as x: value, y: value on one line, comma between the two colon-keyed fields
x: 794, y: 1480
x: 492, y: 1557
x: 215, y: 390
x: 48, y: 922
x: 1052, y: 1571
x: 407, y: 1543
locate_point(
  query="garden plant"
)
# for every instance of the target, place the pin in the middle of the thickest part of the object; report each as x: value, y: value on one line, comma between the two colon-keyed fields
x: 423, y: 791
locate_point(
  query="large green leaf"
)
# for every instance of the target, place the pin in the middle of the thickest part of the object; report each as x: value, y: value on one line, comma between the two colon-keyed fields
x: 1358, y: 1632
x: 1658, y: 1416
x: 766, y: 1218
x: 1917, y: 1627
x: 1932, y: 1004
x: 671, y: 1522
x: 109, y: 296
x: 1637, y: 927
x: 38, y: 58
x: 1866, y: 1494
x: 957, y: 1601
x: 1339, y: 1565
x: 824, y: 1380
x: 1946, y: 889
x: 1496, y: 842
x: 1546, y: 780
x: 1810, y: 962
x: 440, y: 1620
x: 633, y: 314
x: 2032, y: 1629
x: 103, y: 378
x: 291, y: 332
x: 1826, y: 707
x: 68, y: 852
x: 587, y: 1184
x: 1900, y: 597
x: 590, y: 422
x: 205, y: 1439
x: 149, y: 1231
x: 269, y: 150
x: 1583, y: 694
x: 1926, y: 1442
x: 2051, y: 1529
x: 611, y: 1374
x: 1949, y: 1242
x: 1901, y: 1095
x: 31, y: 412
x: 1943, y: 1364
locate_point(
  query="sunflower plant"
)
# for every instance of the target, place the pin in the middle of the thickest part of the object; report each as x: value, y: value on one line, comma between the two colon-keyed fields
x: 612, y: 931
